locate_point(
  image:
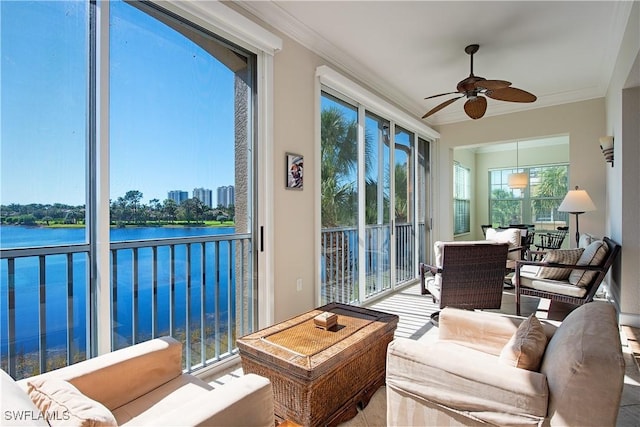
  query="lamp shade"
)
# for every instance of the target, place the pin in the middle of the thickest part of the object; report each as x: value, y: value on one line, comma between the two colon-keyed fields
x: 577, y: 201
x: 517, y: 180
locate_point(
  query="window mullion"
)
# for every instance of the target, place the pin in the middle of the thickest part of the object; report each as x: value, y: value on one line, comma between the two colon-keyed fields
x: 392, y: 203
x: 362, y: 269
x: 99, y: 183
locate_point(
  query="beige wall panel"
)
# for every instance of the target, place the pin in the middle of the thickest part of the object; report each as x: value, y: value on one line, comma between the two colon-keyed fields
x: 294, y: 121
x: 584, y: 122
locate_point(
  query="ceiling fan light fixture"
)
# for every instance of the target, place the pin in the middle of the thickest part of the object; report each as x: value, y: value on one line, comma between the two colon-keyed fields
x: 475, y: 107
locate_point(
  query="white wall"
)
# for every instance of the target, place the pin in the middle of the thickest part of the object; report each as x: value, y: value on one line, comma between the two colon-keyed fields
x: 294, y: 116
x: 623, y: 179
x: 583, y: 122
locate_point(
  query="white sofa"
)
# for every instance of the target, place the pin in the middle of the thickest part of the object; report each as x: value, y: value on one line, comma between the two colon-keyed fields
x: 138, y: 385
x: 462, y: 379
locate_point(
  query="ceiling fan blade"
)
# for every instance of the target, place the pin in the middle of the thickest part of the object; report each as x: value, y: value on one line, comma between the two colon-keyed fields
x: 511, y: 94
x: 441, y: 94
x: 492, y: 84
x: 441, y: 106
x: 475, y: 107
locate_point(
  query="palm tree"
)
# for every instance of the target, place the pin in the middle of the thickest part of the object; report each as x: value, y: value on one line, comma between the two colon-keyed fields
x: 504, y: 209
x: 401, y: 193
x: 132, y: 203
x: 339, y: 164
x: 549, y: 193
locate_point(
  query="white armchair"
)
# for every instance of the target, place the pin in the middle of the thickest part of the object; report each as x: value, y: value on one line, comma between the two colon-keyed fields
x: 465, y: 378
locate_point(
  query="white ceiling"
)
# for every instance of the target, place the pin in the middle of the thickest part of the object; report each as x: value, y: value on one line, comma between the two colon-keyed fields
x: 561, y: 51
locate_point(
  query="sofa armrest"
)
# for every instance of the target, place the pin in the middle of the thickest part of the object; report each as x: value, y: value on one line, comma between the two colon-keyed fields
x: 440, y: 372
x: 484, y: 331
x: 121, y: 376
x: 245, y: 401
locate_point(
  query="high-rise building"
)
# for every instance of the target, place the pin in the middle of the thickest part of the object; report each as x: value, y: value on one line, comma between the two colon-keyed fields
x: 178, y: 196
x: 204, y: 195
x: 226, y: 196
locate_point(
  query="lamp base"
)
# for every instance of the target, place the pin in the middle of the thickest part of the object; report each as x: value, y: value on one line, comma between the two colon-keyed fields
x: 577, y: 228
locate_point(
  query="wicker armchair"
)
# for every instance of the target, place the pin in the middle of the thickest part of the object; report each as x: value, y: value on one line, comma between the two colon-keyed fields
x: 528, y: 279
x: 467, y: 275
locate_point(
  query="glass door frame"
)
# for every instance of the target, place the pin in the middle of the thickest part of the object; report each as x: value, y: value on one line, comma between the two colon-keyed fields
x: 335, y: 84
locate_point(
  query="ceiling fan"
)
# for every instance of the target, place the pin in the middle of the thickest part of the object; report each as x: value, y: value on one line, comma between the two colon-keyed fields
x: 473, y: 87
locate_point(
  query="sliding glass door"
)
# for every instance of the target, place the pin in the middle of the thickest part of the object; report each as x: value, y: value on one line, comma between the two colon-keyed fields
x: 370, y: 229
x: 377, y: 204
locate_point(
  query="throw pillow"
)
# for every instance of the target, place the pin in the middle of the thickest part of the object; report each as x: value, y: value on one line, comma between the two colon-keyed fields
x: 594, y: 254
x: 526, y: 346
x: 585, y: 240
x: 510, y: 236
x: 16, y: 407
x: 559, y: 256
x: 62, y: 404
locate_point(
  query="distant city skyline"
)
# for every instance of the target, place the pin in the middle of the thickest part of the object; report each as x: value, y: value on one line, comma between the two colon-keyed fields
x: 225, y: 196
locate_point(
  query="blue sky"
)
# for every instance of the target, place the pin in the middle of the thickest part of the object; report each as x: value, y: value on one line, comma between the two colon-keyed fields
x: 171, y: 106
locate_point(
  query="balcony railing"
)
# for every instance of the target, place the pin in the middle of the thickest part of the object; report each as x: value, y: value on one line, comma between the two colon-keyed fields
x: 340, y: 260
x: 30, y: 278
x: 197, y: 289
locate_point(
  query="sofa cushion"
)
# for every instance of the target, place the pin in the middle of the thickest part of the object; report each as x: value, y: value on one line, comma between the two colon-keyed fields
x: 559, y: 256
x: 529, y: 279
x: 243, y: 401
x: 150, y: 407
x: 441, y: 372
x: 584, y: 366
x: 433, y: 285
x: 16, y: 409
x: 510, y: 236
x: 64, y: 405
x: 594, y: 254
x: 526, y: 346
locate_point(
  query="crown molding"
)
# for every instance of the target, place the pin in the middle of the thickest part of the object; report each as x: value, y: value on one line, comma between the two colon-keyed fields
x: 274, y: 15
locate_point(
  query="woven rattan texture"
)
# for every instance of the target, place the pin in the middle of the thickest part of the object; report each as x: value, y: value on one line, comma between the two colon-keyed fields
x: 319, y: 402
x: 307, y: 339
x: 472, y: 275
x: 326, y: 388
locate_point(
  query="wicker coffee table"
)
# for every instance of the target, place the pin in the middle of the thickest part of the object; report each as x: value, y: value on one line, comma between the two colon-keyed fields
x: 320, y: 376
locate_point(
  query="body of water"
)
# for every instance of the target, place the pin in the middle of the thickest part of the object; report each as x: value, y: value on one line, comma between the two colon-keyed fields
x: 207, y: 267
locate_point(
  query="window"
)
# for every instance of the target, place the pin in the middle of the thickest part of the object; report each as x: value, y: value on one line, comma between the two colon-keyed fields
x: 43, y: 186
x: 104, y: 271
x: 536, y: 204
x: 372, y: 219
x: 461, y: 199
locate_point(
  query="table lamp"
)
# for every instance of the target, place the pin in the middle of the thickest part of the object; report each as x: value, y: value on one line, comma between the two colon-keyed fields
x: 577, y: 202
